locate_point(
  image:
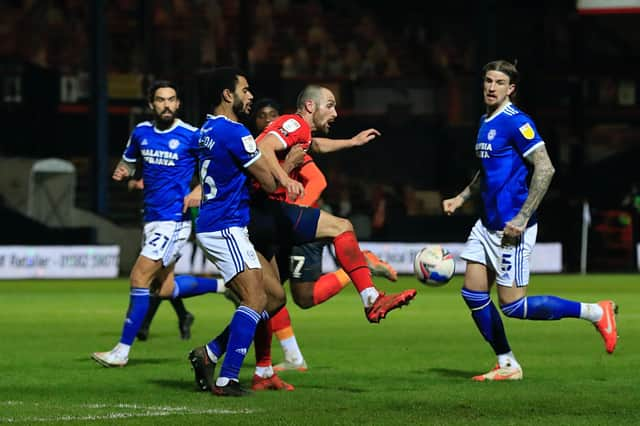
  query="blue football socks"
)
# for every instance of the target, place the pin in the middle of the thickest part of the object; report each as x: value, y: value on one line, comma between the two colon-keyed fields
x: 138, y: 307
x: 218, y: 346
x: 542, y: 308
x: 189, y: 285
x: 241, y: 332
x: 487, y: 319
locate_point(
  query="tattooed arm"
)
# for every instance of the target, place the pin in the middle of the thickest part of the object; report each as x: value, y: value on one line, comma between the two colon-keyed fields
x: 542, y: 174
x: 452, y: 204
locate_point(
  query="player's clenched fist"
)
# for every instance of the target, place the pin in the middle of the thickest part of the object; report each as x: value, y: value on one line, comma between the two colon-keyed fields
x: 450, y: 205
x: 294, y: 189
x: 121, y: 172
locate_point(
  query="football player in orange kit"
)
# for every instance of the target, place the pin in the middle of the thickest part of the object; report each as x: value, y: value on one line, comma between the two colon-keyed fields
x: 303, y: 265
x: 316, y: 109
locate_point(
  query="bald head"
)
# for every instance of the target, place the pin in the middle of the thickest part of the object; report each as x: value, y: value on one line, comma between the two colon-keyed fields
x: 317, y: 105
x: 314, y: 93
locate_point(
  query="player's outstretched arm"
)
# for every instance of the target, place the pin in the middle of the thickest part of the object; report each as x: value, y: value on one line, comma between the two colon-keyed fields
x: 450, y: 205
x: 543, y: 172
x: 123, y: 170
x: 325, y: 145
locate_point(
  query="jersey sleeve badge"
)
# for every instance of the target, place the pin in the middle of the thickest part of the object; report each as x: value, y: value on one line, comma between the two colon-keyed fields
x: 290, y: 126
x: 527, y: 131
x: 249, y: 144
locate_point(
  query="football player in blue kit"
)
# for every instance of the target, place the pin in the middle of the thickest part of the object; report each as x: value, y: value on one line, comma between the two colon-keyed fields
x: 167, y: 147
x: 514, y: 177
x: 228, y: 155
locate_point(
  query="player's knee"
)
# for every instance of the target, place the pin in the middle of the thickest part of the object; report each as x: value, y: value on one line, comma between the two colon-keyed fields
x: 164, y: 288
x: 275, y: 301
x: 139, y: 280
x: 249, y: 287
x: 515, y: 309
x: 274, y: 306
x: 165, y: 294
x: 304, y: 301
x: 256, y: 300
x: 344, y: 225
x: 339, y: 225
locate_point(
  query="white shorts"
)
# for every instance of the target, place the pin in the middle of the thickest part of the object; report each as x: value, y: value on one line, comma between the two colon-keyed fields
x: 510, y: 263
x: 164, y: 240
x: 230, y: 250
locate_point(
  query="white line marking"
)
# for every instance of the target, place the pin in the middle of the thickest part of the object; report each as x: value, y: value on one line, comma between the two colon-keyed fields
x: 139, y: 411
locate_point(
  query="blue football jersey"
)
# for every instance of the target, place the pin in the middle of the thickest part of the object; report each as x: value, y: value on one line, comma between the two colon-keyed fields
x: 169, y: 160
x: 227, y: 148
x: 504, y: 140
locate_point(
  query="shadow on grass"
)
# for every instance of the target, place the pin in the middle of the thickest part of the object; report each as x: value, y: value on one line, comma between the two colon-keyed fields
x: 132, y: 362
x: 448, y: 372
x: 181, y: 385
x: 341, y: 388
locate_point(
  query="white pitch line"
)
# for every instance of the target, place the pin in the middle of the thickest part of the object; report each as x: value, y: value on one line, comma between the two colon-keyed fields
x: 146, y: 411
x: 159, y: 408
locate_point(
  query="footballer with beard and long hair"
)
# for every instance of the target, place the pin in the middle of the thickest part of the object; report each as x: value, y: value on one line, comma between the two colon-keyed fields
x: 167, y: 150
x: 514, y: 176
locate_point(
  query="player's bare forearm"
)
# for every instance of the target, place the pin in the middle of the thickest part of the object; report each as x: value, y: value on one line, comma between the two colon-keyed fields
x: 473, y: 188
x: 325, y: 145
x: 294, y: 188
x: 262, y: 171
x: 543, y: 172
x: 192, y: 199
x: 294, y: 158
x: 196, y: 193
x: 269, y: 153
x: 450, y: 205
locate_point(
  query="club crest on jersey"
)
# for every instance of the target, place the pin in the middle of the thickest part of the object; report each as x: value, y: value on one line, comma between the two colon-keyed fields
x: 527, y: 131
x: 249, y: 143
x: 174, y: 143
x: 251, y: 254
x: 491, y: 134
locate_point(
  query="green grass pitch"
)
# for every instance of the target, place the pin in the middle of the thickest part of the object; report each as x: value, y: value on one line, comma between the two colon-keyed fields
x: 413, y: 368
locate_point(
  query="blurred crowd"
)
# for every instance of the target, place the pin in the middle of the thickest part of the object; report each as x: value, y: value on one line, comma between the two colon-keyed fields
x: 351, y: 43
x: 284, y: 38
x: 272, y: 39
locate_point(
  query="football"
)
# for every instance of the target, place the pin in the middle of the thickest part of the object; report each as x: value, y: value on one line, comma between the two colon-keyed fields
x: 434, y: 266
